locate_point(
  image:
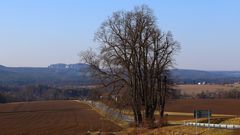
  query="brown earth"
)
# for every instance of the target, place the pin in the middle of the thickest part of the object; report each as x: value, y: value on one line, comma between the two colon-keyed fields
x: 175, y: 117
x: 195, y: 89
x: 217, y: 106
x: 51, y: 118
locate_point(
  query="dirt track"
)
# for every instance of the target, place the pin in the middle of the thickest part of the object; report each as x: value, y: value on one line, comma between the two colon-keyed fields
x: 51, y: 118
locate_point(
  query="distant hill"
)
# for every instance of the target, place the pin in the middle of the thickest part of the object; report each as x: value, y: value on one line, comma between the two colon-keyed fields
x: 52, y: 75
x: 77, y: 74
x: 196, y: 76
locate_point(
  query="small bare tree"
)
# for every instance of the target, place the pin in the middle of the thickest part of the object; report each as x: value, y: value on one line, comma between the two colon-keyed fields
x: 134, y: 54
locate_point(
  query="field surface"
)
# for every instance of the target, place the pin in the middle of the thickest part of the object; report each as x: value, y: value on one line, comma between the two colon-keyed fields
x: 52, y: 118
x: 217, y: 106
x: 196, y: 89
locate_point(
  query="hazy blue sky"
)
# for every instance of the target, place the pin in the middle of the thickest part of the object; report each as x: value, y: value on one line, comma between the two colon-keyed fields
x: 42, y: 32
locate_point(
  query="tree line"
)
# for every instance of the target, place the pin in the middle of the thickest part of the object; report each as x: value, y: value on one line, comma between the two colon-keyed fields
x: 220, y: 94
x: 41, y: 92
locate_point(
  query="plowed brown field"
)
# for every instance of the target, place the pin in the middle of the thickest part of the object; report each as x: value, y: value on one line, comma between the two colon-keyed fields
x: 217, y: 106
x: 196, y: 89
x: 51, y: 118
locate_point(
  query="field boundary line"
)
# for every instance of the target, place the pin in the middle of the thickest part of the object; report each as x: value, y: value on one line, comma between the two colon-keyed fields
x: 104, y: 114
x: 209, y: 125
x: 98, y: 111
x: 191, y: 114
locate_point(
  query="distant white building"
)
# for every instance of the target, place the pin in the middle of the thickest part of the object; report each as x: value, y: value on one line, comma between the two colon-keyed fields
x: 201, y: 83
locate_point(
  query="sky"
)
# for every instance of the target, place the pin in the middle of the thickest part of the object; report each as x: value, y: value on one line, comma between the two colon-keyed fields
x: 37, y: 33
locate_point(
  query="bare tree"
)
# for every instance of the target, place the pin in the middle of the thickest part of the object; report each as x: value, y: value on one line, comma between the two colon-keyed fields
x: 134, y: 54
